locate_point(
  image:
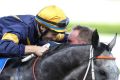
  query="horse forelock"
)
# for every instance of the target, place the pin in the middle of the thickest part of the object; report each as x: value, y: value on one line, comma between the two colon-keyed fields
x: 100, y: 49
x: 104, y: 46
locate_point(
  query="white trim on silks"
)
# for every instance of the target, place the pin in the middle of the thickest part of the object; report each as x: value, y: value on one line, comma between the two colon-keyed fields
x: 27, y: 58
x: 91, y: 62
x: 39, y: 34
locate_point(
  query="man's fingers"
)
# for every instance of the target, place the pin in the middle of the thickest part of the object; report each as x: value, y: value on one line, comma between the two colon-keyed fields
x: 44, y: 48
x: 46, y: 45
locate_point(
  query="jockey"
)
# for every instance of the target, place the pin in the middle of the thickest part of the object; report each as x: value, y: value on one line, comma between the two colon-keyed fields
x: 20, y: 34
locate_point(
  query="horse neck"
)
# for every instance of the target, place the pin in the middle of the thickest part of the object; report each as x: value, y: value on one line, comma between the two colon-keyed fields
x: 63, y: 62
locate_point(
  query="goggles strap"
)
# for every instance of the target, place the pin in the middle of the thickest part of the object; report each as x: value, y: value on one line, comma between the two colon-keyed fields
x: 39, y: 32
x: 65, y: 21
x: 45, y: 20
x: 43, y: 32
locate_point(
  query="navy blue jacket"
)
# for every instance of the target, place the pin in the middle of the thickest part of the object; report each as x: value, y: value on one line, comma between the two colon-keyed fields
x: 16, y: 32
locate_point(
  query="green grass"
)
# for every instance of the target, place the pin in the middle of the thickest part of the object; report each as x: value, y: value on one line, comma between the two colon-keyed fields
x: 107, y: 28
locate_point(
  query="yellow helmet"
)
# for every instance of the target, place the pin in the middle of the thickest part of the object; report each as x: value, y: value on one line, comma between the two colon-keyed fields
x: 53, y: 18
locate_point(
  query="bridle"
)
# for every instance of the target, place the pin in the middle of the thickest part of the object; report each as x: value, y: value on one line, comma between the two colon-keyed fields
x: 91, y: 63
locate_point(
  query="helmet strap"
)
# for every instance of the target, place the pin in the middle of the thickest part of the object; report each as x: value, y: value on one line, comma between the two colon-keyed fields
x: 44, y: 32
x: 39, y: 32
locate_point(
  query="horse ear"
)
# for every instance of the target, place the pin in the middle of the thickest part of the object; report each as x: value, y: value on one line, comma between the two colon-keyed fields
x: 95, y: 39
x: 113, y: 42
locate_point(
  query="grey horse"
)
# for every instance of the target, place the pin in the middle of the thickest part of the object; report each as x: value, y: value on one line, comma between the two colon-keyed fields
x: 67, y: 62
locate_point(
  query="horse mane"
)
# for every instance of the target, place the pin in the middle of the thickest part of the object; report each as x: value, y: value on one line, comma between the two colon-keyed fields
x: 59, y: 47
x: 61, y: 62
x: 52, y: 50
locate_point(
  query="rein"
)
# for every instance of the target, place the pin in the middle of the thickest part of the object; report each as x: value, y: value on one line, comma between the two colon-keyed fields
x: 33, y: 68
x: 90, y: 63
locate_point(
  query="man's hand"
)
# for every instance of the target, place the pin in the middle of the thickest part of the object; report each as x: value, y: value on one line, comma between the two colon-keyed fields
x: 37, y: 50
x: 41, y: 49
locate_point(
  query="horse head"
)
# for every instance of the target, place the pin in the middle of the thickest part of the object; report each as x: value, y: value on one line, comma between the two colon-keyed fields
x: 104, y: 62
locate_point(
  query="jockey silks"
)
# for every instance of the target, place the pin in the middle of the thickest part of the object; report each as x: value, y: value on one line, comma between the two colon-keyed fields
x: 16, y: 32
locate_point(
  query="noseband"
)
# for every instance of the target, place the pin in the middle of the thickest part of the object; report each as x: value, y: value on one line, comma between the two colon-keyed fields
x: 106, y: 57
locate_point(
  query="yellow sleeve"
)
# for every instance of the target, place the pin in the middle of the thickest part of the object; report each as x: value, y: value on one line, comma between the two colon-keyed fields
x: 11, y: 36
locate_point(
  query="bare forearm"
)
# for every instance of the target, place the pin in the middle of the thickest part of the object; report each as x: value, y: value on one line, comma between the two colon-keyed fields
x: 38, y: 50
x: 30, y: 49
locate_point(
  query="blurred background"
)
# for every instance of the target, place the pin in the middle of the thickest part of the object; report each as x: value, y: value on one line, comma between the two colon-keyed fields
x: 101, y: 14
